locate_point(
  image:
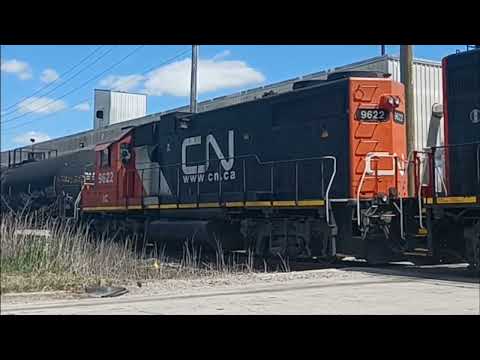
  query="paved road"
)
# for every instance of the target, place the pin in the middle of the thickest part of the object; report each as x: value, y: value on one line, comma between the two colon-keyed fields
x: 375, y: 292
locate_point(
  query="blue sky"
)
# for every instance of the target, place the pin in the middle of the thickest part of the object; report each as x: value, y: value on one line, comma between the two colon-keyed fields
x: 63, y: 105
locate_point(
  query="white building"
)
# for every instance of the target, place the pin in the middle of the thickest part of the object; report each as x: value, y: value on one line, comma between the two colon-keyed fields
x: 113, y: 107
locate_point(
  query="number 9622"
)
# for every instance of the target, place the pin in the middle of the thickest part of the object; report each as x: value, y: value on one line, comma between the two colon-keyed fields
x: 371, y: 115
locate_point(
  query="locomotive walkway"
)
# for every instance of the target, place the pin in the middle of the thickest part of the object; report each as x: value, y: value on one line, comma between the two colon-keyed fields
x: 330, y: 291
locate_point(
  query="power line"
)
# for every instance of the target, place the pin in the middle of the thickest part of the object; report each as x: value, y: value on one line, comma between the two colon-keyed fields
x: 78, y: 87
x: 45, y: 116
x: 53, y: 82
x: 184, y: 52
x: 61, y: 84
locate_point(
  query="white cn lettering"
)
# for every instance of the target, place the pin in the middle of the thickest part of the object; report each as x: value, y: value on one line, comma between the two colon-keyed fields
x: 194, y: 169
x: 227, y: 164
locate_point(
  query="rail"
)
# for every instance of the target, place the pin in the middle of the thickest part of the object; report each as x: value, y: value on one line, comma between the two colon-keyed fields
x: 31, y: 153
x: 455, y: 157
x: 478, y: 165
x: 76, y: 206
x: 418, y: 180
x: 200, y: 172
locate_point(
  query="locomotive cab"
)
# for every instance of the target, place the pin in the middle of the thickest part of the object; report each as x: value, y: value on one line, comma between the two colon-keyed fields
x: 114, y: 181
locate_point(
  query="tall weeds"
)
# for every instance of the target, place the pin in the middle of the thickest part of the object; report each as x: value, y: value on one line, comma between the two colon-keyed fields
x: 66, y: 256
x: 62, y: 249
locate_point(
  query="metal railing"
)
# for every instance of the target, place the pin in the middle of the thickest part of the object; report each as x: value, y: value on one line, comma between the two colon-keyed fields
x: 368, y: 161
x: 31, y: 154
x: 174, y: 173
x: 419, y: 160
x: 456, y: 159
x: 76, y: 205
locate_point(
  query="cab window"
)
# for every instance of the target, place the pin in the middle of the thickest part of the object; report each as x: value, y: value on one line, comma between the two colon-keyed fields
x: 105, y: 158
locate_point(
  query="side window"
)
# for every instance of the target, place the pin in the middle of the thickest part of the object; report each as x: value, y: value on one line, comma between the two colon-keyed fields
x: 125, y: 154
x: 105, y: 158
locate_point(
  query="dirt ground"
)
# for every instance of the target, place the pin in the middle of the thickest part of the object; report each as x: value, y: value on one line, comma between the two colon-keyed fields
x: 329, y: 291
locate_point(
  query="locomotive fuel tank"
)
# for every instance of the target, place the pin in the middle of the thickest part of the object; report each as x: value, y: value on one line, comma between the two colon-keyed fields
x: 207, y: 234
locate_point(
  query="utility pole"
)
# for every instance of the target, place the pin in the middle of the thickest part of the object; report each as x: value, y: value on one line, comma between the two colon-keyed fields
x: 406, y: 69
x: 383, y: 50
x: 193, y: 83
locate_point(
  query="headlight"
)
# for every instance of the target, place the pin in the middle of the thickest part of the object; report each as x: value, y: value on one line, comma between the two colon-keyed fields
x: 383, y: 198
x: 397, y: 101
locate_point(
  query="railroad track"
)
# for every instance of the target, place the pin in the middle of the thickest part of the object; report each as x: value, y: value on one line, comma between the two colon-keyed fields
x: 457, y: 272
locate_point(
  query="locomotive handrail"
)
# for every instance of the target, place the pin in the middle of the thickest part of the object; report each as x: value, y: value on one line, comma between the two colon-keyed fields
x: 325, y: 193
x: 415, y: 153
x: 478, y: 166
x: 239, y: 157
x: 455, y: 145
x: 77, y: 202
x: 368, y: 158
x: 419, y: 195
x: 437, y: 169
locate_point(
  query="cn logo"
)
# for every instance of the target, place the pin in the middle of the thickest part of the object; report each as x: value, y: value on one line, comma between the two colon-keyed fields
x: 199, y: 170
x: 475, y: 116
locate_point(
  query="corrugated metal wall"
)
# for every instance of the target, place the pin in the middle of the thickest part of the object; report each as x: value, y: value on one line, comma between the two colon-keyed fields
x: 126, y: 106
x: 427, y: 84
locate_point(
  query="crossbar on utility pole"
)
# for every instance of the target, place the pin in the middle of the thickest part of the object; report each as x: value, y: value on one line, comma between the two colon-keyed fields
x: 193, y: 83
x: 406, y: 69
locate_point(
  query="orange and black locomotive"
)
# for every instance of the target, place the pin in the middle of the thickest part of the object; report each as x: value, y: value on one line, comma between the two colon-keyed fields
x: 318, y: 171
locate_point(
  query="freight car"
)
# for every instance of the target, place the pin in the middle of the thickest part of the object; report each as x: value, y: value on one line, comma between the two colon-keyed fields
x: 315, y: 172
x: 453, y: 203
x: 44, y: 180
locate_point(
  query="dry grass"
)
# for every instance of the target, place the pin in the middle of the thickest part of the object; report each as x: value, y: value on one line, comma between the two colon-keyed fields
x: 70, y: 259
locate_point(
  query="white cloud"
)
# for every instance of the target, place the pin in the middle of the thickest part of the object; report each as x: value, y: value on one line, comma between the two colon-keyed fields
x: 213, y: 74
x: 49, y: 75
x: 41, y: 105
x: 122, y: 83
x: 24, y: 139
x: 174, y: 79
x: 20, y: 68
x: 82, y: 107
x: 222, y: 55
